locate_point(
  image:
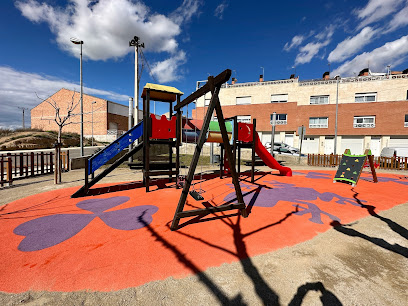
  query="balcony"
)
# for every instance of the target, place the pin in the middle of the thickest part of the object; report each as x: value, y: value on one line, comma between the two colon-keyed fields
x: 364, y: 125
x: 318, y: 126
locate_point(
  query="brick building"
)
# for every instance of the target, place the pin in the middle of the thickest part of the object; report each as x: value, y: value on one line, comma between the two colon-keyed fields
x: 372, y: 110
x: 110, y: 119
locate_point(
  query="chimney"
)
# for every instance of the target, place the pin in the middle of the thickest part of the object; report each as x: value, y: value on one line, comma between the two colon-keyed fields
x: 233, y: 81
x: 326, y: 75
x: 261, y: 78
x: 292, y: 76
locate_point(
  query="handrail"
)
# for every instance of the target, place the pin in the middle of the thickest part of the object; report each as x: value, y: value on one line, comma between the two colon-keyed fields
x: 102, y: 157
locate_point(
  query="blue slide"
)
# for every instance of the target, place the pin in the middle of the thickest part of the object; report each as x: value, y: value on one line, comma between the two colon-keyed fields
x: 103, y: 156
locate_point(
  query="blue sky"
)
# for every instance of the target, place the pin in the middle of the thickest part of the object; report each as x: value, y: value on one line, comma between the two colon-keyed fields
x: 187, y: 40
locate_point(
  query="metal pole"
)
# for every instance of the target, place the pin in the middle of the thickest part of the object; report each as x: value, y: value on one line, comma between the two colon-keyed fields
x: 81, y: 141
x: 337, y: 111
x: 130, y: 121
x: 23, y: 120
x: 135, y: 43
x: 273, y: 122
x: 301, y: 141
x: 136, y: 115
x: 92, y: 121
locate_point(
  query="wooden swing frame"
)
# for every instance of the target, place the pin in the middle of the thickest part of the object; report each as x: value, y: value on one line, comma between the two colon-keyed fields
x: 213, y: 85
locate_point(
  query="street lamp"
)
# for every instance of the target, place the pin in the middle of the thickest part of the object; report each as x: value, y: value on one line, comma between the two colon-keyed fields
x: 77, y: 41
x: 92, y: 120
x: 273, y: 123
x: 337, y: 112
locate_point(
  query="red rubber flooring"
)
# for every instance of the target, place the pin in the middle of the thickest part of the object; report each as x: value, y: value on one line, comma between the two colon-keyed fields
x: 122, y: 239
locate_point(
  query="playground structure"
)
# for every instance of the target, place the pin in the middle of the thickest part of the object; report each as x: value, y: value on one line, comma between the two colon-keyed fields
x: 351, y: 166
x: 232, y: 136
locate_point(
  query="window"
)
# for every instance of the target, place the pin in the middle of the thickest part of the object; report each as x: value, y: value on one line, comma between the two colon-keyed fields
x: 243, y: 100
x: 406, y: 121
x: 281, y: 119
x: 279, y: 98
x: 319, y: 122
x: 319, y: 100
x: 364, y: 122
x: 244, y: 119
x: 366, y: 97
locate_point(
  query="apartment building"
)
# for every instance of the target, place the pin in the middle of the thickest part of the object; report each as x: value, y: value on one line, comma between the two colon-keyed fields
x: 104, y: 119
x: 372, y: 110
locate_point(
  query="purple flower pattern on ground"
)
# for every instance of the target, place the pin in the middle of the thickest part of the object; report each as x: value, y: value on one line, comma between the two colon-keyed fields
x: 48, y: 231
x: 265, y: 196
x: 315, y: 175
x: 401, y: 180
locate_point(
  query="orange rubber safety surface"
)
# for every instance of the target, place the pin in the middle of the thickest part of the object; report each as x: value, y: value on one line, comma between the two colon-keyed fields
x: 123, y: 239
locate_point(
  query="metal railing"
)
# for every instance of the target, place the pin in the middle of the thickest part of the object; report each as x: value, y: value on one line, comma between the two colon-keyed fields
x: 22, y: 165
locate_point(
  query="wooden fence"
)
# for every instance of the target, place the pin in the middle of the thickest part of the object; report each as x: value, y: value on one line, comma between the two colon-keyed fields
x: 391, y: 163
x: 22, y: 165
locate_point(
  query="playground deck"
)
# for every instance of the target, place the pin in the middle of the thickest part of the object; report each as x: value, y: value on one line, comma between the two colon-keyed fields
x: 118, y: 240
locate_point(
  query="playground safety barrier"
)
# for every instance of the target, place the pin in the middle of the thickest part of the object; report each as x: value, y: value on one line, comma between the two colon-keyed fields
x: 23, y: 165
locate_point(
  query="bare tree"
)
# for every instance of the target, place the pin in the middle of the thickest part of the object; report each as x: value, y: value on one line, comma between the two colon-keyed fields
x: 61, y: 119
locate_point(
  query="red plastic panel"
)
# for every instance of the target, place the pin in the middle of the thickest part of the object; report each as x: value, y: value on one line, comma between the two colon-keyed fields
x: 245, y: 131
x: 163, y: 128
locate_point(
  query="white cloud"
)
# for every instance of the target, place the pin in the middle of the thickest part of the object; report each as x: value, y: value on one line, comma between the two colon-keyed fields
x: 18, y: 88
x: 296, y: 41
x: 107, y: 26
x: 352, y: 45
x: 219, y: 10
x: 376, y: 10
x: 186, y: 11
x: 166, y: 71
x: 399, y: 20
x: 392, y: 53
x: 310, y: 50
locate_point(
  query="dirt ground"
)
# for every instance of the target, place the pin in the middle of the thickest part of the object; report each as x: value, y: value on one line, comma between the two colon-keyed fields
x: 363, y: 263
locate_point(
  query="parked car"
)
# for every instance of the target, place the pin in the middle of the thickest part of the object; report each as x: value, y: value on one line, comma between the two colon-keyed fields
x: 394, y: 152
x: 280, y: 147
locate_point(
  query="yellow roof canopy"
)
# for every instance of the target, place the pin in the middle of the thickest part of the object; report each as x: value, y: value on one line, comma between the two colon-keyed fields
x: 161, y: 92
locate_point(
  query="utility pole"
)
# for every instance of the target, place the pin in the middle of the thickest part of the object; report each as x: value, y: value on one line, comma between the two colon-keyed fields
x: 23, y: 109
x: 135, y: 43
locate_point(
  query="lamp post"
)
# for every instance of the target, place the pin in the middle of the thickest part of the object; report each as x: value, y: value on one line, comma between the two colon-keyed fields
x: 337, y: 112
x: 92, y: 121
x: 77, y: 41
x: 273, y: 123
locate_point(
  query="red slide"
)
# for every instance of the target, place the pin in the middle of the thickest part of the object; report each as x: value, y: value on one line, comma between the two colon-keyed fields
x: 268, y: 159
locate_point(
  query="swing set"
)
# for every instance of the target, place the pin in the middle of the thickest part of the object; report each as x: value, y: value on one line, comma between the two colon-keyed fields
x: 213, y: 85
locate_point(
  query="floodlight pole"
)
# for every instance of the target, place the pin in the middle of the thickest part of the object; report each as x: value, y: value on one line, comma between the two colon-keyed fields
x: 135, y: 43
